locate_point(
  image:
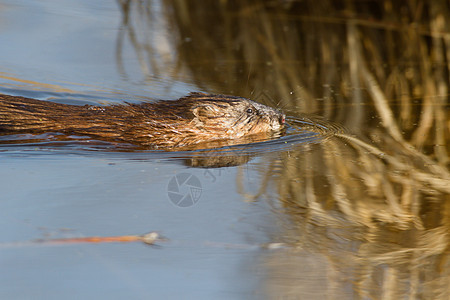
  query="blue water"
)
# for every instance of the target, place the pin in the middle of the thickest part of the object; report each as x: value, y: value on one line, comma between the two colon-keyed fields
x: 320, y: 212
x: 65, y: 51
x: 61, y: 195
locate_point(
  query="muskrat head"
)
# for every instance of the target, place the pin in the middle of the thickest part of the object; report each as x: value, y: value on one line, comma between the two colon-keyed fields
x: 234, y: 117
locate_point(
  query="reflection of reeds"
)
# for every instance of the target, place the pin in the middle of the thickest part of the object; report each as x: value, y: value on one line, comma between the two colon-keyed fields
x: 358, y: 208
x: 381, y: 69
x: 146, y: 34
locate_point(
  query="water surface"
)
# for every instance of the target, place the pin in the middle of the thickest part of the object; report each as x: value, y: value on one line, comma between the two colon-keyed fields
x: 352, y: 202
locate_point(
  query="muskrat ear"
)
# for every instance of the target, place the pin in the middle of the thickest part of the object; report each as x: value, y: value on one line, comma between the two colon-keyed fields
x: 204, y: 112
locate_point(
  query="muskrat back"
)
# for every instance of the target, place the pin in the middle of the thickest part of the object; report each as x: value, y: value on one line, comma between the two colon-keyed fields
x: 196, y: 118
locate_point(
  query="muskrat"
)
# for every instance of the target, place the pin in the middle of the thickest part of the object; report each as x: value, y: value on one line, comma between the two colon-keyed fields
x: 194, y: 119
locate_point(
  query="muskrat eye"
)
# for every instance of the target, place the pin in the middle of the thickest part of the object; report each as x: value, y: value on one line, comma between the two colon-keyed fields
x: 249, y: 111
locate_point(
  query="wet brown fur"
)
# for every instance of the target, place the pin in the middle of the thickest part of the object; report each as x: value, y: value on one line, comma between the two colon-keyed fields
x: 196, y: 118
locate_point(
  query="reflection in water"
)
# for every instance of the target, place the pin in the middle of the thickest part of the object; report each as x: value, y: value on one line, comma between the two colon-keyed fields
x: 148, y: 33
x: 354, y: 216
x: 362, y: 218
x: 366, y: 215
x: 196, y: 121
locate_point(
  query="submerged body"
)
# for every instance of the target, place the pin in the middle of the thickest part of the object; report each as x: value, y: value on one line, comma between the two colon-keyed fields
x: 194, y: 119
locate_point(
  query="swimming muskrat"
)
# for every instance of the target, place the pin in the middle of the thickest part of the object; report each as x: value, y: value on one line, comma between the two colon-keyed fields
x: 194, y: 119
